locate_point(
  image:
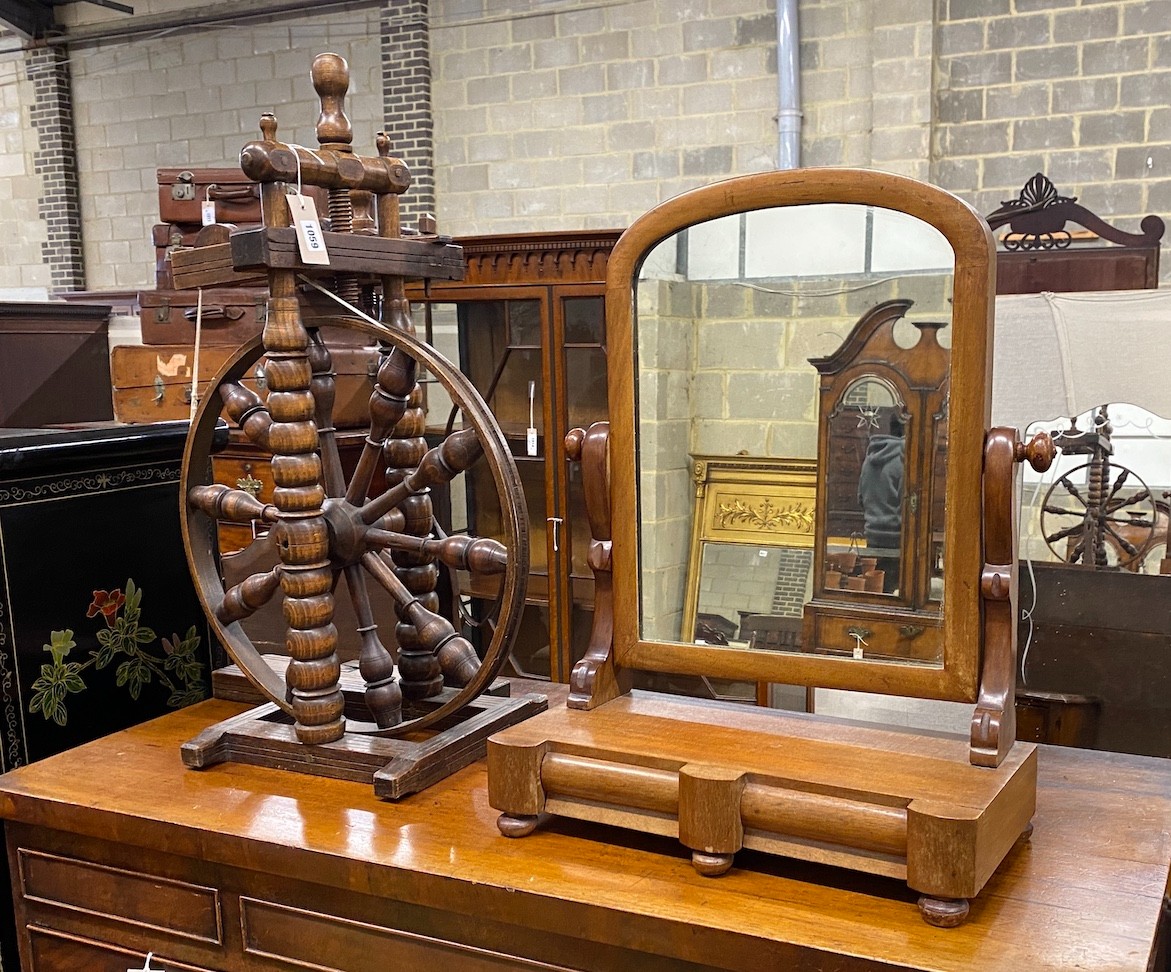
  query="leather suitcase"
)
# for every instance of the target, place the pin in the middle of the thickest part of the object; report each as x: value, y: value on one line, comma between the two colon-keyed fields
x: 182, y: 193
x: 166, y: 238
x: 232, y: 316
x: 153, y: 383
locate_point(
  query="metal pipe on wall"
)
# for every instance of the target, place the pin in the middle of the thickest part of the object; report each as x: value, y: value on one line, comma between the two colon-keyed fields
x: 788, y: 86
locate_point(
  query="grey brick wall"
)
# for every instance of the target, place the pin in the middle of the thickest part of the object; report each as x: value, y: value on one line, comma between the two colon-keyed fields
x: 1080, y: 91
x: 589, y: 114
x: 585, y: 113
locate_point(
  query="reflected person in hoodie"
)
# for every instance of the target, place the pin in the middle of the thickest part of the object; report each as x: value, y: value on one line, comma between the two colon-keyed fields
x: 880, y: 494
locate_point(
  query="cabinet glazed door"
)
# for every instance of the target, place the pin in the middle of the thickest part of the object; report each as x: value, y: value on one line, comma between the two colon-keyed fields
x: 579, y: 353
x: 502, y: 349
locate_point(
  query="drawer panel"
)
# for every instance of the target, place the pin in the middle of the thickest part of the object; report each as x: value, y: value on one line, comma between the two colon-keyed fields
x: 912, y: 640
x: 56, y: 950
x: 292, y: 935
x: 134, y: 897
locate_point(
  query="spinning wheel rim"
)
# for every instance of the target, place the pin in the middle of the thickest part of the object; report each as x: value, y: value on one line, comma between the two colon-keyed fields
x: 1143, y: 496
x: 205, y: 573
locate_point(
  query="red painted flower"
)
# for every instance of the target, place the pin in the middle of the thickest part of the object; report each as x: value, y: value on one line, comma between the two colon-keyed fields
x: 107, y: 602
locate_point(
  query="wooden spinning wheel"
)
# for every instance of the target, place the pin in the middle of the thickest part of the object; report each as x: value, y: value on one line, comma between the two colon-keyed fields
x: 1111, y: 519
x: 1095, y: 524
x: 326, y: 531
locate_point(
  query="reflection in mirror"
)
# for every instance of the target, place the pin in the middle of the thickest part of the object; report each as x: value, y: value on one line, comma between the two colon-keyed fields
x: 730, y: 314
x: 865, y: 466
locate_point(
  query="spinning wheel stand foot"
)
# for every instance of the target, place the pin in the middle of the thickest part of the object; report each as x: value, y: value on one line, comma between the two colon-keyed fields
x: 265, y: 736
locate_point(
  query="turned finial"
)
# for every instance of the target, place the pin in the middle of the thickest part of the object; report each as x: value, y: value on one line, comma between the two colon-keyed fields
x: 382, y: 143
x: 331, y: 81
x: 573, y: 441
x: 268, y: 126
x: 1039, y: 452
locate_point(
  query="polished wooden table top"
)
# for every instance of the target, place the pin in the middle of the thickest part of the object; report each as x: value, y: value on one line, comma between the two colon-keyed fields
x: 1085, y: 892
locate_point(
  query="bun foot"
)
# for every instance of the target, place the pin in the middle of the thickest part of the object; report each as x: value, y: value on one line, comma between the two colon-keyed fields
x: 943, y: 912
x: 520, y: 825
x: 711, y: 865
x: 1028, y: 831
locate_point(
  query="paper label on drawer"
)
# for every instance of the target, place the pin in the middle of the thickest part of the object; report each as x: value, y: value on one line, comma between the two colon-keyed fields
x: 146, y: 966
x: 207, y: 211
x: 858, y: 650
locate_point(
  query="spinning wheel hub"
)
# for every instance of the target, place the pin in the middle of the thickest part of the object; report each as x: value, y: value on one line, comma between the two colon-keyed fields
x: 349, y: 534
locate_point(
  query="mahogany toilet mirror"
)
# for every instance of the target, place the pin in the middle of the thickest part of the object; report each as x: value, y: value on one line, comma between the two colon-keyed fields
x: 844, y: 318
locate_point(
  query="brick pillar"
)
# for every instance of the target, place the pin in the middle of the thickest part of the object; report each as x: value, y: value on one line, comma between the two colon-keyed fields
x: 406, y: 99
x: 55, y: 161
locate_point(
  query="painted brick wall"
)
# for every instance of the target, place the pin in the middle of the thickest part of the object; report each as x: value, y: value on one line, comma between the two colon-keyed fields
x: 590, y: 116
x: 193, y: 99
x: 1080, y: 91
x: 23, y: 271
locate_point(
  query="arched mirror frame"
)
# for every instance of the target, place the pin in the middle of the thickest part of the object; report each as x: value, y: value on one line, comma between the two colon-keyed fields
x: 971, y: 355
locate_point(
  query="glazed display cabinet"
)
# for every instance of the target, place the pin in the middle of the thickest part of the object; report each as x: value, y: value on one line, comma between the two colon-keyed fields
x: 527, y: 325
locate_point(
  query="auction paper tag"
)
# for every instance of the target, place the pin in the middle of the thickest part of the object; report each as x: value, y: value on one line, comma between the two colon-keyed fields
x: 531, y: 440
x: 310, y: 240
x: 208, y: 212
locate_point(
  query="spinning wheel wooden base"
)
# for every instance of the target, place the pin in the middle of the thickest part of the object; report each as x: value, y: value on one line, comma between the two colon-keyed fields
x: 264, y: 736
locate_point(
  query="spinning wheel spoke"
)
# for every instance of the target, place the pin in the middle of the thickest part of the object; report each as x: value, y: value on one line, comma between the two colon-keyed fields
x: 249, y: 596
x: 323, y: 385
x: 1143, y: 496
x: 1132, y: 520
x: 440, y: 465
x: 1123, y: 476
x: 388, y: 403
x: 1127, y: 547
x: 245, y: 408
x: 220, y: 502
x: 1067, y: 532
x: 457, y: 657
x: 1072, y: 490
x: 481, y: 555
x: 383, y: 696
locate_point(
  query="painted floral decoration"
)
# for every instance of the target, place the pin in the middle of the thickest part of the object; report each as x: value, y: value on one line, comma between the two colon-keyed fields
x: 179, y: 668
